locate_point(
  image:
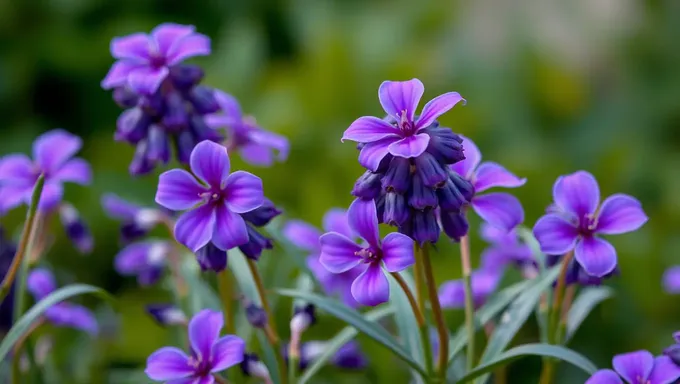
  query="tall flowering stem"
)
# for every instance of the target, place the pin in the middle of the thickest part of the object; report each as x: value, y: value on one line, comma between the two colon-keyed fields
x: 424, y: 254
x: 24, y: 243
x: 421, y: 297
x: 469, y: 304
x: 226, y: 295
x: 270, y: 330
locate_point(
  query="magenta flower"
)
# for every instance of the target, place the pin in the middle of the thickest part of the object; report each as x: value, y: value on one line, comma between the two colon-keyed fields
x: 144, y: 61
x: 214, y: 205
x: 639, y: 367
x: 306, y: 237
x: 210, y: 353
x: 575, y: 221
x: 499, y: 209
x: 484, y: 282
x: 256, y: 145
x: 340, y: 254
x: 41, y: 283
x: 671, y: 280
x: 53, y: 154
x: 404, y: 137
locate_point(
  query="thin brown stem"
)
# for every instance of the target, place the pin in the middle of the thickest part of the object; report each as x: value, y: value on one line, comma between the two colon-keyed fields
x: 418, y: 281
x: 559, y: 296
x: 436, y: 312
x: 566, y: 305
x: 420, y: 319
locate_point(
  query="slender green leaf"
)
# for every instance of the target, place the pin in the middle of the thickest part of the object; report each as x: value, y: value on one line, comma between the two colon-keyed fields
x: 201, y: 295
x: 586, y: 301
x: 493, y: 307
x: 355, y: 319
x: 407, y: 326
x: 529, y: 239
x: 23, y: 325
x: 544, y: 350
x: 342, y: 338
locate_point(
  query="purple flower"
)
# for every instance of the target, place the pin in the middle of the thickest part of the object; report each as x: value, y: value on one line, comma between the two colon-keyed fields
x: 577, y: 222
x: 166, y: 314
x: 484, y: 283
x: 306, y: 237
x: 256, y: 145
x: 145, y: 259
x: 405, y: 137
x: 671, y: 280
x: 41, y: 283
x: 76, y: 229
x: 214, y: 205
x: 53, y: 154
x: 576, y: 274
x: 144, y: 61
x: 506, y: 248
x: 340, y: 254
x: 136, y: 221
x: 639, y: 367
x: 499, y: 209
x: 210, y: 353
x: 673, y: 352
x: 349, y: 356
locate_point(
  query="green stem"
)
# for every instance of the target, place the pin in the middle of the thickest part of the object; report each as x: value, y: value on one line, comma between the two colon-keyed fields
x: 436, y: 311
x: 26, y: 233
x: 226, y: 295
x: 270, y: 331
x: 469, y: 303
x: 421, y: 298
x: 293, y: 361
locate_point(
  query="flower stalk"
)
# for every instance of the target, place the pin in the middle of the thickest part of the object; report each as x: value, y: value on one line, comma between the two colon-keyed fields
x: 420, y: 295
x: 469, y: 303
x: 443, y: 333
x: 269, y: 330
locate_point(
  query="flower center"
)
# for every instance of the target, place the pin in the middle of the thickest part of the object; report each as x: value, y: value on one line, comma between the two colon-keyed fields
x: 588, y: 224
x: 212, y: 196
x: 405, y: 124
x: 642, y: 380
x: 201, y: 367
x: 157, y: 60
x: 368, y: 255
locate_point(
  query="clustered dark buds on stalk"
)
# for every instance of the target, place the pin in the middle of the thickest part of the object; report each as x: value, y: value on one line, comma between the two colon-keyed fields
x: 257, y: 218
x: 166, y: 104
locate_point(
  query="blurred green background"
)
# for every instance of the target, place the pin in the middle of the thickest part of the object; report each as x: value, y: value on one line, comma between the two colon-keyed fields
x: 552, y: 87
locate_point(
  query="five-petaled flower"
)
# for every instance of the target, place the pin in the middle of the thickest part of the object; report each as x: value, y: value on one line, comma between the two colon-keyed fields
x: 210, y: 353
x: 144, y: 259
x: 340, y: 254
x: 256, y: 145
x: 218, y: 202
x: 499, y: 209
x: 40, y: 283
x: 639, y: 367
x: 403, y: 137
x: 306, y: 237
x: 144, y: 60
x: 53, y: 154
x: 575, y: 220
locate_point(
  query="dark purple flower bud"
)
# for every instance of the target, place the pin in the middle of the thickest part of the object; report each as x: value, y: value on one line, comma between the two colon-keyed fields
x: 184, y: 144
x: 349, y: 356
x: 304, y: 317
x: 255, y: 245
x: 211, y: 258
x: 380, y: 208
x: 176, y: 117
x: 674, y: 353
x: 202, y: 131
x: 125, y: 97
x: 140, y: 163
x: 185, y: 76
x: 384, y: 164
x: 159, y: 145
x: 149, y: 276
x: 76, y: 229
x: 256, y: 316
x: 454, y: 224
x: 421, y: 196
x: 132, y: 126
x: 261, y: 216
x: 455, y: 193
x: 367, y: 186
x: 433, y: 173
x: 424, y: 226
x: 444, y: 145
x: 251, y: 366
x: 398, y: 175
x: 153, y: 105
x: 396, y: 209
x: 203, y: 100
x: 166, y: 314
